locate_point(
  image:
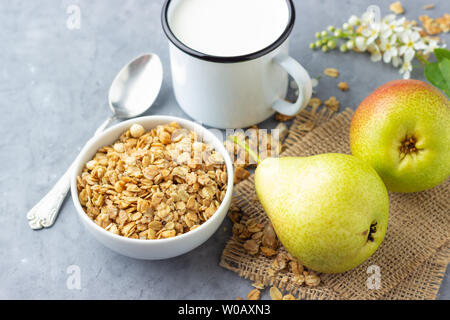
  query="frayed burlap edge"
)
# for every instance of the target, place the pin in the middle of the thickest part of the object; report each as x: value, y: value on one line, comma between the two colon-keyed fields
x: 420, y: 278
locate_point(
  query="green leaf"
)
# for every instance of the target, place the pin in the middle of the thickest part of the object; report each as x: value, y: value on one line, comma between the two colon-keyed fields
x: 441, y: 54
x: 444, y: 66
x: 433, y: 73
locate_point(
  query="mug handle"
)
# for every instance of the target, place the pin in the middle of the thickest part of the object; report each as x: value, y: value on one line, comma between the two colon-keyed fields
x: 301, y: 77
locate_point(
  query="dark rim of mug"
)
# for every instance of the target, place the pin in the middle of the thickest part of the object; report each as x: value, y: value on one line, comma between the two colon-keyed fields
x: 250, y: 56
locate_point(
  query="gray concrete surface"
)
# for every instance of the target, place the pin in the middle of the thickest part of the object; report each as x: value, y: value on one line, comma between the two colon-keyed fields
x: 53, y: 95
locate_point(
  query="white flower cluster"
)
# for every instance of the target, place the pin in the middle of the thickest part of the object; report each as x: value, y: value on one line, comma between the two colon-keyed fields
x: 392, y: 40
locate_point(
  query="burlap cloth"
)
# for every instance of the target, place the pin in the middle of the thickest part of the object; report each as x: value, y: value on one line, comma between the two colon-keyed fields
x: 413, y: 256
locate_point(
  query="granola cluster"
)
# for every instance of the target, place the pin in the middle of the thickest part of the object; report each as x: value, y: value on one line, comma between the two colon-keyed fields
x: 153, y: 184
x: 261, y: 239
x: 436, y: 26
x: 331, y: 72
x: 261, y: 142
x: 396, y: 7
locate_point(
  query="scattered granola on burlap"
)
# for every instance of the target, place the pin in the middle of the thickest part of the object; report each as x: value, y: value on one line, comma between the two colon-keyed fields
x: 332, y: 103
x: 259, y: 239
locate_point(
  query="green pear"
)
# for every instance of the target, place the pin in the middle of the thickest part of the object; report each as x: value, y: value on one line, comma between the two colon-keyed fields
x: 402, y: 129
x: 330, y: 211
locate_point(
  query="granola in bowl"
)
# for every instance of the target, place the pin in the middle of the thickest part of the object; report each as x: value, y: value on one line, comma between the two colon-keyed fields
x: 153, y: 184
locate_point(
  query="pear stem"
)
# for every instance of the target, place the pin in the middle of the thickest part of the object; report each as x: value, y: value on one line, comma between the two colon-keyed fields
x: 246, y: 147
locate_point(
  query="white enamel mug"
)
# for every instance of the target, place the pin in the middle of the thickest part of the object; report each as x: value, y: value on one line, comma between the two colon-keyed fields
x: 237, y: 91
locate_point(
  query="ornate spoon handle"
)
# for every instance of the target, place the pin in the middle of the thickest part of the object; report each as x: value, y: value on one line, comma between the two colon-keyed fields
x: 44, y: 213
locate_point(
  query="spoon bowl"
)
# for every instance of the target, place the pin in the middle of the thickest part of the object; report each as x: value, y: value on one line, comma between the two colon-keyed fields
x: 136, y: 86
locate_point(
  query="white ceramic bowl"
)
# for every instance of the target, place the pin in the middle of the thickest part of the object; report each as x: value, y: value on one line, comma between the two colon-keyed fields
x: 159, y: 248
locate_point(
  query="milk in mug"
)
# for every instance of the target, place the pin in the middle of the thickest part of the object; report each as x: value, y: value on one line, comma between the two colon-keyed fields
x: 228, y: 28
